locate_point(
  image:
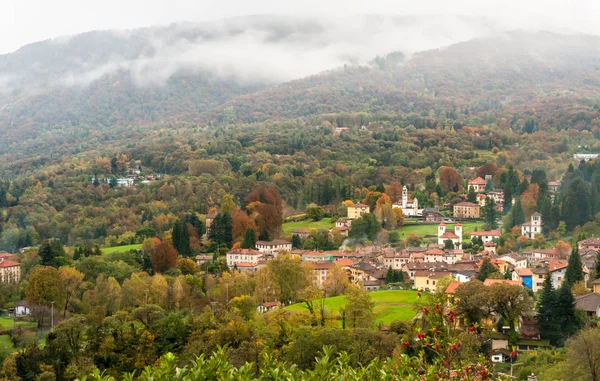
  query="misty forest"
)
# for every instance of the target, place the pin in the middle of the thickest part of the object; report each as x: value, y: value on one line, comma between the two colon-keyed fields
x: 297, y: 198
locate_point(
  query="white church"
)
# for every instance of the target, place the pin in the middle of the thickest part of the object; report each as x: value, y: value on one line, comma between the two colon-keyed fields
x: 410, y: 207
x: 455, y: 236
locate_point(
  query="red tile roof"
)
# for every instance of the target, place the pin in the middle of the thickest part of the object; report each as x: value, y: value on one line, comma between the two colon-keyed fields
x: 489, y: 282
x: 477, y: 181
x: 466, y: 203
x: 494, y: 233
x: 452, y: 288
x: 449, y: 235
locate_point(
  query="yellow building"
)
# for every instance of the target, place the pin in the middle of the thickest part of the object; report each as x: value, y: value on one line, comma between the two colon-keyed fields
x: 357, y: 210
x: 428, y: 280
x: 466, y: 210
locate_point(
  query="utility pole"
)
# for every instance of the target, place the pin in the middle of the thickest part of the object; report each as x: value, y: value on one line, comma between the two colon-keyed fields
x: 146, y: 292
x: 227, y: 287
x: 52, y: 315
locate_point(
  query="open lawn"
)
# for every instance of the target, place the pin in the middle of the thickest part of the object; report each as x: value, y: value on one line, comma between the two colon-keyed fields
x: 7, y: 323
x: 121, y: 249
x: 324, y: 224
x: 390, y: 305
x: 423, y: 229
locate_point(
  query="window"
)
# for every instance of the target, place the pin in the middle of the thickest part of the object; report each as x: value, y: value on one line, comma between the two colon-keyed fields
x: 427, y: 281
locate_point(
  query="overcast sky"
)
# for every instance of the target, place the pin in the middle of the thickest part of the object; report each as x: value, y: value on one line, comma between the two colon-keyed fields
x: 26, y: 21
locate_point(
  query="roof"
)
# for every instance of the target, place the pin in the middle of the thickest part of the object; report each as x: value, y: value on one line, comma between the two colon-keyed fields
x: 597, y: 281
x: 556, y: 266
x: 245, y: 264
x: 489, y: 244
x: 496, y: 232
x: 434, y: 252
x: 358, y: 205
x: 590, y: 241
x: 477, y: 181
x: 273, y: 242
x: 589, y: 302
x: 364, y: 266
x: 342, y: 228
x: 345, y: 262
x: 449, y: 235
x: 9, y: 263
x: 452, y: 288
x: 489, y: 282
x: 524, y: 272
x: 322, y: 265
x: 431, y: 274
x: 245, y: 252
x: 270, y: 304
x: 466, y: 203
x: 536, y: 214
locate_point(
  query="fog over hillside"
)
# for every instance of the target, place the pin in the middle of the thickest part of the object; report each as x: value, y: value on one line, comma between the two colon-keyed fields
x: 264, y: 49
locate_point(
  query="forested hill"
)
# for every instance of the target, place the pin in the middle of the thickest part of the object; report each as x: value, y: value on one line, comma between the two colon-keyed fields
x: 516, y: 72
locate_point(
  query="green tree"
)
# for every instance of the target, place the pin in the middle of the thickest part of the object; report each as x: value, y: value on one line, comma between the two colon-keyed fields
x: 568, y: 320
x: 365, y: 227
x: 472, y: 195
x: 597, y: 268
x: 471, y: 302
x: 220, y: 230
x: 490, y: 213
x: 296, y: 241
x: 548, y: 314
x: 359, y: 308
x: 181, y: 238
x: 315, y: 212
x: 486, y: 270
x: 44, y: 287
x: 389, y: 276
x: 52, y: 253
x: 574, y: 272
x: 517, y: 213
x: 249, y: 241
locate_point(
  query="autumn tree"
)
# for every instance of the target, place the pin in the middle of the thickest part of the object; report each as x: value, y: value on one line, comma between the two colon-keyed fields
x: 44, y: 287
x: 187, y: 266
x: 487, y: 169
x: 266, y: 206
x: 510, y: 302
x: 450, y: 180
x: 394, y: 191
x: 72, y: 281
x: 413, y: 240
x: 289, y: 277
x: 241, y: 222
x: 164, y: 257
x: 336, y: 281
x: 471, y: 302
x: 227, y: 204
x: 358, y: 310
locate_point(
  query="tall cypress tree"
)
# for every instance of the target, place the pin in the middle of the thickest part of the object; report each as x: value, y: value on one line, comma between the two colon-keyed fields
x: 517, y: 213
x: 249, y: 239
x: 490, y: 214
x: 177, y: 236
x: 569, y: 322
x: 574, y: 271
x: 389, y: 276
x: 547, y: 317
x: 597, y: 268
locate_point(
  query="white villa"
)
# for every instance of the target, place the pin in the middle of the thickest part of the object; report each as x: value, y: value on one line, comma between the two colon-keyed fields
x: 532, y: 228
x: 455, y: 237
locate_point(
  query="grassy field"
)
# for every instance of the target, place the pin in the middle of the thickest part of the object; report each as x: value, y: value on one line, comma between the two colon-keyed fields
x: 324, y: 224
x: 121, y: 249
x: 390, y: 305
x: 7, y: 323
x: 431, y: 229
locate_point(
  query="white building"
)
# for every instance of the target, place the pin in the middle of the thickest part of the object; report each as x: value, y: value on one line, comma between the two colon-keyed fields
x: 10, y: 271
x: 274, y: 247
x: 455, y: 237
x: 534, y: 227
x: 410, y: 207
x: 487, y: 236
x: 585, y: 156
x: 244, y: 256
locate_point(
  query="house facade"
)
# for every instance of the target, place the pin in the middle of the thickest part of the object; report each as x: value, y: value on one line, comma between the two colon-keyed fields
x: 426, y: 280
x: 477, y: 184
x: 455, y: 237
x: 246, y: 256
x: 410, y: 207
x: 10, y: 271
x: 357, y: 210
x: 534, y: 227
x: 487, y: 236
x: 466, y: 210
x: 274, y: 247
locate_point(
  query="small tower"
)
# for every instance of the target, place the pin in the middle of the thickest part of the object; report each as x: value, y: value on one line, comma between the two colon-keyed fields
x: 458, y: 230
x: 404, y: 197
x: 441, y: 229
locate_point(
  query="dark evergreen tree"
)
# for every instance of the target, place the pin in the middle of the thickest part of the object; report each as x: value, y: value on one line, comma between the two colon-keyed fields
x: 472, y: 196
x: 389, y: 276
x: 113, y: 182
x: 517, y: 213
x: 574, y: 271
x: 296, y: 241
x: 96, y: 181
x: 50, y: 251
x: 398, y: 276
x: 490, y: 213
x: 448, y: 244
x: 220, y: 230
x: 538, y: 176
x: 250, y: 239
x: 597, y: 268
x: 569, y: 322
x: 486, y: 270
x: 548, y: 315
